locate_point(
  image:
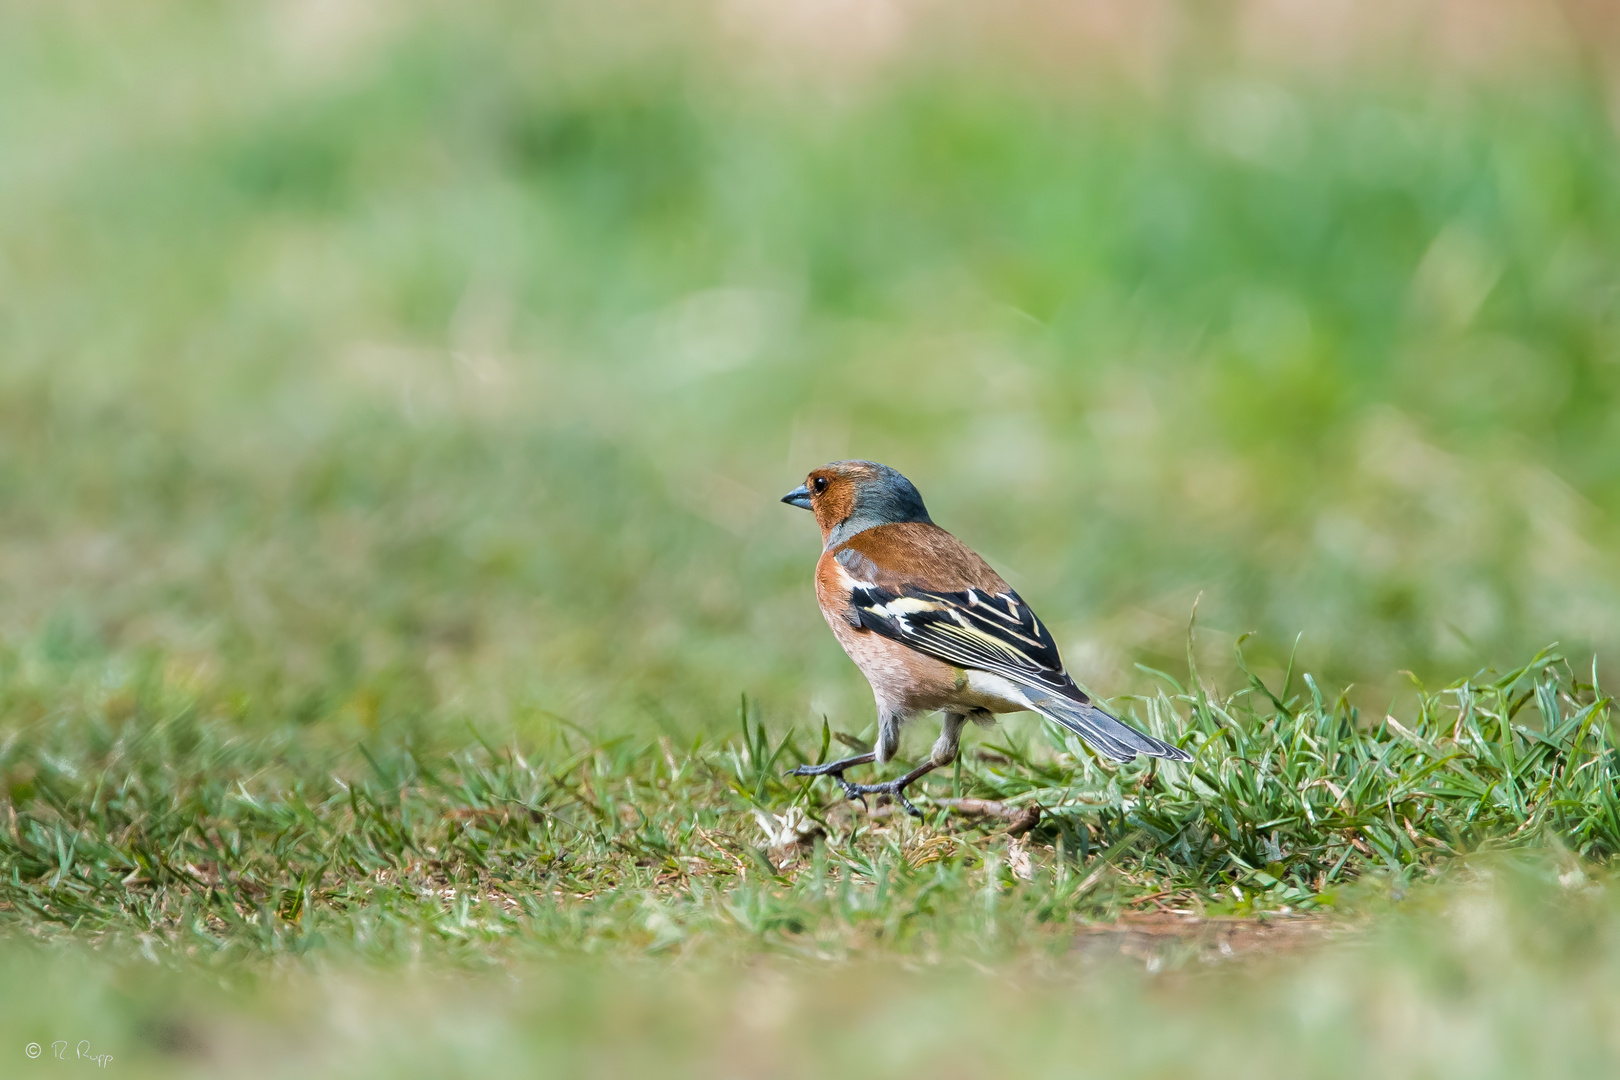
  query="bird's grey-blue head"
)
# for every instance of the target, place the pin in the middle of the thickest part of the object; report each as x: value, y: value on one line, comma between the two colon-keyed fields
x: 850, y: 496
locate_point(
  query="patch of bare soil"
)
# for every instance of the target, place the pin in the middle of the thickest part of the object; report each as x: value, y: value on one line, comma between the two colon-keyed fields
x: 1159, y: 936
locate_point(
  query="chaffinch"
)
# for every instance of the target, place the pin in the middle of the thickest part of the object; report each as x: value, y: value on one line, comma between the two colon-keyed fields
x: 932, y: 627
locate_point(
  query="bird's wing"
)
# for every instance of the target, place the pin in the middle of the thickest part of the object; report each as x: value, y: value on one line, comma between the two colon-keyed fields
x: 995, y: 632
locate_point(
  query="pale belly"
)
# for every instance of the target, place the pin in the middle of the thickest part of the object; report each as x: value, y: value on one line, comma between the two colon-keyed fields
x: 906, y: 682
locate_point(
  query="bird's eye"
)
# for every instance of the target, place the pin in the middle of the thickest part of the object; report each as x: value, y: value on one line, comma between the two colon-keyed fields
x: 819, y: 484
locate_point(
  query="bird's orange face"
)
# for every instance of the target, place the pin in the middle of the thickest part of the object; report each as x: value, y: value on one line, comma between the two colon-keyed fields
x: 828, y: 493
x: 832, y: 496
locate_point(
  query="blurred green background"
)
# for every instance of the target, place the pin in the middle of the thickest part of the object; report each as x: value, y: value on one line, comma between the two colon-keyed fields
x: 1473, y: 982
x: 379, y: 363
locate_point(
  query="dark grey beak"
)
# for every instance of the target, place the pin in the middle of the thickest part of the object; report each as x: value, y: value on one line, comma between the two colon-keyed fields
x: 799, y: 496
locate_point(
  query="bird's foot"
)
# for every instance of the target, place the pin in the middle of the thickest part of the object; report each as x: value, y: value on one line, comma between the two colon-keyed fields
x: 850, y: 790
x: 832, y: 768
x: 859, y: 792
x: 835, y: 769
x: 895, y: 788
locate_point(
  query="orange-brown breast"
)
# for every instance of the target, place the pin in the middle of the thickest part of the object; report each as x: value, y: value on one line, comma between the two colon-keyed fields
x: 902, y: 678
x: 918, y: 554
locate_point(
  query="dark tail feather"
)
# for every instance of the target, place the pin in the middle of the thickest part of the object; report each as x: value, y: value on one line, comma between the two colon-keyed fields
x: 1102, y: 732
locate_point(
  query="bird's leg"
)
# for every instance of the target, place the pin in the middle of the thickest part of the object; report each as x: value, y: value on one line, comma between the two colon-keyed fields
x: 950, y: 738
x: 943, y: 753
x: 897, y: 788
x: 835, y: 769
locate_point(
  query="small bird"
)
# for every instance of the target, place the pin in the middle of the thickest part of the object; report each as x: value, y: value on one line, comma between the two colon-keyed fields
x: 932, y: 627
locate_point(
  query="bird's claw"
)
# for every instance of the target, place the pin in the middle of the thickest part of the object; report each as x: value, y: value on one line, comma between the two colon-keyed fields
x: 850, y: 790
x: 896, y: 789
x: 892, y: 788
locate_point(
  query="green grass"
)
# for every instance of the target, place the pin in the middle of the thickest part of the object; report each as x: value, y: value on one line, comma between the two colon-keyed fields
x: 393, y: 407
x: 134, y: 816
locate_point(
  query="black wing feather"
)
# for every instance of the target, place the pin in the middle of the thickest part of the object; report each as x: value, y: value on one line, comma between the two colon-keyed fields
x: 995, y: 632
x: 999, y: 633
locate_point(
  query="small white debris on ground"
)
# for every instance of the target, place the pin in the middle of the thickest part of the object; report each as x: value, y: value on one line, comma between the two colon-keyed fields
x: 1018, y: 861
x: 787, y: 835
